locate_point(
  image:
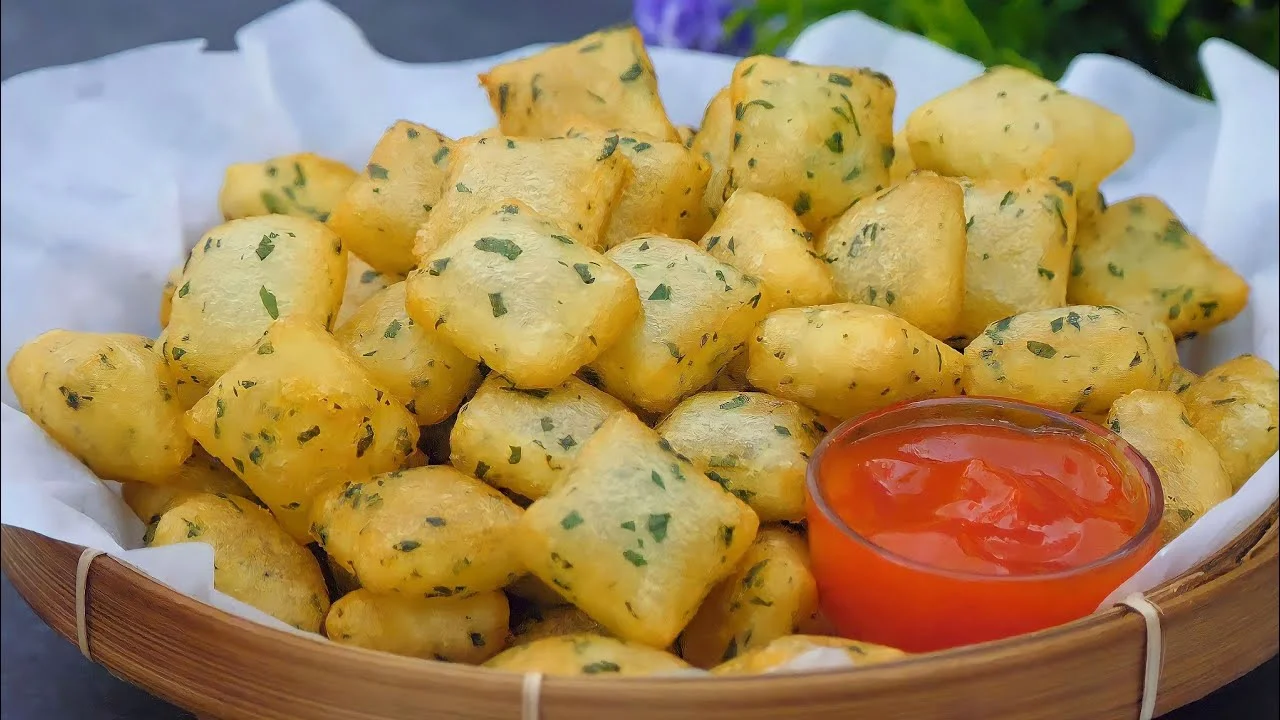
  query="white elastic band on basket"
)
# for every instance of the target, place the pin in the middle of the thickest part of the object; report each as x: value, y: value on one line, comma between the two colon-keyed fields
x: 82, y: 599
x: 530, y: 696
x: 1155, y: 652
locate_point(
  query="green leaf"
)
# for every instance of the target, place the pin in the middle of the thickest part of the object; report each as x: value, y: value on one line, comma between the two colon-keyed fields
x: 265, y: 246
x: 658, y: 526
x: 1163, y: 13
x: 571, y: 521
x: 1040, y: 349
x: 662, y: 292
x: 610, y: 146
x: 500, y: 246
x: 496, y: 304
x: 953, y: 24
x: 802, y: 204
x: 269, y: 302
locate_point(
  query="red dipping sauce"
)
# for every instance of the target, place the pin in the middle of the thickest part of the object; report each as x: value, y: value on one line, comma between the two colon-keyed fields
x: 951, y: 521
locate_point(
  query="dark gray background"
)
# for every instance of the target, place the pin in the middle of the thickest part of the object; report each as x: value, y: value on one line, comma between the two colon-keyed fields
x: 43, y: 677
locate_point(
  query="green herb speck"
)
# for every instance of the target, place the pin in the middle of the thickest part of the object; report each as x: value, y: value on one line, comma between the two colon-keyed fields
x: 438, y: 266
x: 658, y: 526
x: 802, y: 204
x: 496, y: 304
x: 265, y: 246
x: 365, y: 441
x: 1040, y: 349
x: 571, y: 521
x: 610, y: 145
x: 269, y: 302
x: 726, y: 534
x: 499, y: 246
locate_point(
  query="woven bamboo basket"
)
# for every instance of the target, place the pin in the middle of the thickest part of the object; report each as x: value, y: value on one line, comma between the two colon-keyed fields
x: 1219, y: 621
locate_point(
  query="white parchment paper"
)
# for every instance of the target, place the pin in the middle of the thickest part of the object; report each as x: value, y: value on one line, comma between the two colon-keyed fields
x: 109, y: 168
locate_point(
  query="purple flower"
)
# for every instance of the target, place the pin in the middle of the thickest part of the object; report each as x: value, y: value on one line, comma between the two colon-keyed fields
x: 694, y: 24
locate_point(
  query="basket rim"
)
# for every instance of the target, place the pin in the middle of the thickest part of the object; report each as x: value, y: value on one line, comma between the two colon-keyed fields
x: 1254, y: 551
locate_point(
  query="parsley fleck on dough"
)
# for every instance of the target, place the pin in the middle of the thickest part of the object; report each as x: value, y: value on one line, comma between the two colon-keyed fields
x: 236, y: 289
x: 567, y: 180
x: 514, y: 300
x: 903, y: 249
x: 755, y: 445
x: 1011, y: 123
x: 587, y: 655
x: 644, y: 580
x: 767, y: 597
x: 381, y: 211
x: 255, y: 560
x: 501, y: 417
x: 1075, y: 359
x: 1235, y: 406
x: 258, y: 418
x: 768, y: 241
x: 680, y: 343
x: 605, y: 77
x: 454, y: 629
x: 778, y: 103
x: 303, y: 185
x: 105, y: 398
x: 201, y: 473
x: 1019, y: 253
x: 467, y: 554
x: 1138, y: 255
x: 1191, y: 472
x: 847, y: 359
x: 784, y: 649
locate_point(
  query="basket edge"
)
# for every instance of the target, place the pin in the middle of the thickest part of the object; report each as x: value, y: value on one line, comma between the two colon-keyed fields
x: 1255, y: 549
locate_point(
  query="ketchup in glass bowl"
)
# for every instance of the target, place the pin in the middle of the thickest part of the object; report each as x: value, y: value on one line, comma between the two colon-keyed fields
x: 951, y: 521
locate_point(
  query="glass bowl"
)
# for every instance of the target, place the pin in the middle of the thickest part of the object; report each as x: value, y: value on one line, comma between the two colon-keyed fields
x: 871, y: 594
